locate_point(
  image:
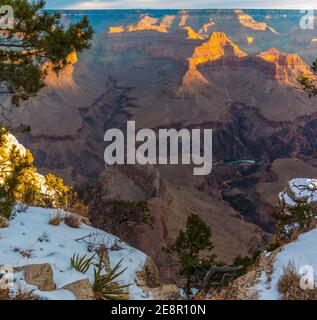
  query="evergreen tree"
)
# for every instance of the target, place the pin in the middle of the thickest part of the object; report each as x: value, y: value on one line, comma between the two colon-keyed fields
x: 13, y: 168
x: 38, y: 40
x: 189, y: 246
x: 57, y: 192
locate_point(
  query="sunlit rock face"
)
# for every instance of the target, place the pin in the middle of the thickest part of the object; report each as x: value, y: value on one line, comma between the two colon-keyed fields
x: 247, y: 21
x: 216, y: 47
x: 64, y: 79
x: 147, y: 23
x: 281, y: 66
x: 192, y: 34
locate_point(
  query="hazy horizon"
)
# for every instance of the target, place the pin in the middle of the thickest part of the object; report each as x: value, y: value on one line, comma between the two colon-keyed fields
x: 178, y: 4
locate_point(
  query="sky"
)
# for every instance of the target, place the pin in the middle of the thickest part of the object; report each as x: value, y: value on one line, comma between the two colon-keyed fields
x: 180, y: 4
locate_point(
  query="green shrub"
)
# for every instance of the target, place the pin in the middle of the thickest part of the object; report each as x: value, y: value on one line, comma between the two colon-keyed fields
x: 13, y: 169
x: 298, y: 219
x: 81, y: 263
x: 58, y: 192
x: 189, y: 246
x: 105, y: 288
x: 6, y: 203
x: 274, y: 245
x: 246, y: 262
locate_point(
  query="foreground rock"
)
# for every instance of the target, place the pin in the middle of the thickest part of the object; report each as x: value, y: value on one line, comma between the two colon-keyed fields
x: 149, y: 276
x: 81, y: 289
x: 299, y: 191
x: 166, y: 292
x: 39, y: 275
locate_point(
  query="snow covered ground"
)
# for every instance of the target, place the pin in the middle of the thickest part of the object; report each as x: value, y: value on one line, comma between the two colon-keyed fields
x: 302, y: 252
x: 31, y: 233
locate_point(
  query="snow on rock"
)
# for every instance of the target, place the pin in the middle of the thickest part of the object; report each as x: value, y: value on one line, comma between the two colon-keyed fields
x: 299, y: 190
x: 301, y: 252
x: 30, y: 239
x: 12, y: 141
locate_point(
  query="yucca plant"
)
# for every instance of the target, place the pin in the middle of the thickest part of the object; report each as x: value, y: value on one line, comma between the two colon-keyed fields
x: 81, y: 263
x: 105, y: 288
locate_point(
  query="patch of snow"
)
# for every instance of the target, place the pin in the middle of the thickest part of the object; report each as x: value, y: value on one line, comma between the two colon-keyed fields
x: 287, y: 199
x: 301, y: 252
x: 11, y: 141
x: 31, y: 233
x: 265, y: 290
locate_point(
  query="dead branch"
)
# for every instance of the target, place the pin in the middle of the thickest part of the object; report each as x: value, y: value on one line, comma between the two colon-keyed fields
x: 97, y: 240
x: 213, y: 270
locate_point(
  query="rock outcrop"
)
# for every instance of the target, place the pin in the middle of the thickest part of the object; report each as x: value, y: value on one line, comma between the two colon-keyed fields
x: 149, y: 276
x: 248, y: 22
x: 281, y: 66
x: 39, y: 275
x: 166, y: 292
x: 299, y: 191
x: 146, y: 22
x: 217, y: 47
x: 245, y: 287
x: 81, y: 289
x: 192, y: 34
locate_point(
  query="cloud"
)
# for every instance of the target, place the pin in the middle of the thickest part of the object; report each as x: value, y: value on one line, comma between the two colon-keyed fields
x: 178, y: 4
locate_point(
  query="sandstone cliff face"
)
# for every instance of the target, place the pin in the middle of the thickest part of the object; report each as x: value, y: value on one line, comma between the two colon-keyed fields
x: 248, y: 22
x: 146, y: 22
x: 281, y: 66
x: 219, y: 50
x: 192, y: 34
x: 173, y: 46
x: 218, y: 46
x: 63, y: 80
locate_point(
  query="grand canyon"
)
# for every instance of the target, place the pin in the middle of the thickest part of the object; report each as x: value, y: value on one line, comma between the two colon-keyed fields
x: 234, y: 71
